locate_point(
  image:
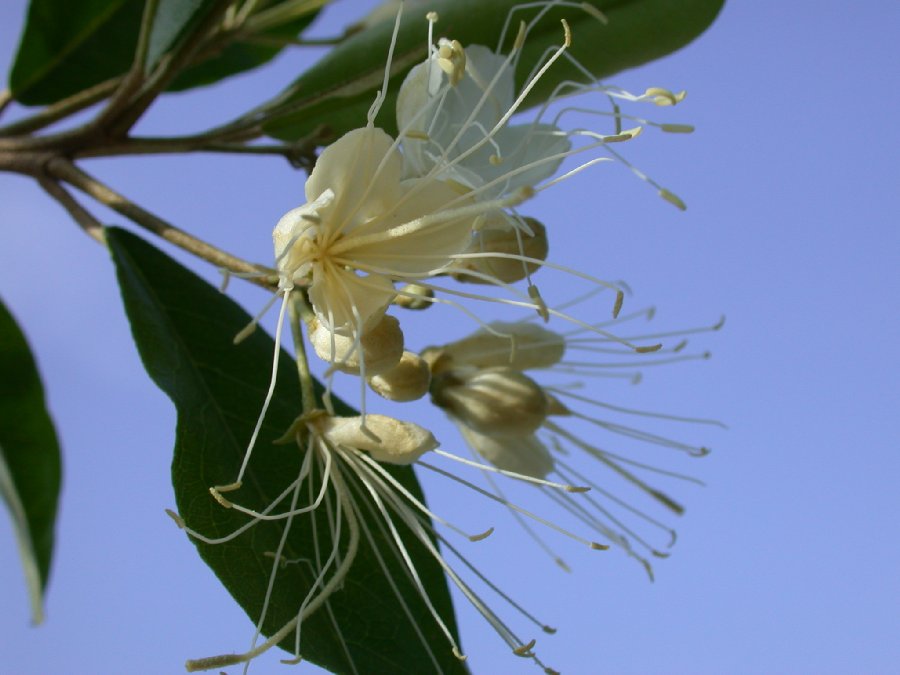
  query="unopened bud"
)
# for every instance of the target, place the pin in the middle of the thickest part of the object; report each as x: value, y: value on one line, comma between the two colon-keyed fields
x: 381, y: 347
x: 497, y: 236
x: 407, y: 381
x: 414, y: 296
x: 525, y: 455
x: 499, y: 401
x: 386, y: 439
x: 519, y: 346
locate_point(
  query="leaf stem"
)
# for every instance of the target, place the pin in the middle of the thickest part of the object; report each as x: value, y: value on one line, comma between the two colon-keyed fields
x: 63, y: 169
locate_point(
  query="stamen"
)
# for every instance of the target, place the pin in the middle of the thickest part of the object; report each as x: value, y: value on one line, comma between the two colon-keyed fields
x: 533, y: 516
x: 512, y: 474
x: 382, y: 93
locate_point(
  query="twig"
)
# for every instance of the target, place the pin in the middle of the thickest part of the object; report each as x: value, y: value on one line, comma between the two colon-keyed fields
x: 6, y: 98
x: 65, y: 170
x: 92, y: 226
x: 168, y: 69
x: 61, y: 109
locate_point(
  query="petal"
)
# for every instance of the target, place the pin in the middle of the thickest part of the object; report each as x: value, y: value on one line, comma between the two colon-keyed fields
x: 442, y: 117
x: 347, y: 303
x: 525, y: 455
x: 363, y: 171
x: 295, y: 225
x: 521, y: 145
x: 401, y: 243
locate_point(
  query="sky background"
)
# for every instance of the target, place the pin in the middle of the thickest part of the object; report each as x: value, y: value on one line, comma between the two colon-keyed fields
x: 787, y: 560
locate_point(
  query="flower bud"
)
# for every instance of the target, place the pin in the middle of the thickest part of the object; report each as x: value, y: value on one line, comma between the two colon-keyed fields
x: 519, y: 346
x: 407, y: 381
x: 414, y: 296
x: 498, y: 236
x: 499, y: 401
x: 382, y: 346
x: 386, y: 439
x: 525, y: 455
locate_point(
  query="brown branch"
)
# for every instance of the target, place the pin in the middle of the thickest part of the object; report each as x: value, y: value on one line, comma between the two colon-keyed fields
x: 63, y: 169
x: 61, y: 109
x: 6, y: 98
x: 92, y: 226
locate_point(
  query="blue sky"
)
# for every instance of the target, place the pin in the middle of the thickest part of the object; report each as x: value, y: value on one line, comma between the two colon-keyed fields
x: 786, y: 560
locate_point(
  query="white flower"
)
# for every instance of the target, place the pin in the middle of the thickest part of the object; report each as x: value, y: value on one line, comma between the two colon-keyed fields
x: 342, y: 476
x: 523, y: 429
x: 454, y: 124
x: 362, y: 228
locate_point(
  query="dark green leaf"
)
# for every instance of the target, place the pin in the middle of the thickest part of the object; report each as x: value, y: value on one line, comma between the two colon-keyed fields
x: 30, y: 466
x: 69, y: 46
x: 337, y: 92
x: 242, y: 54
x: 184, y: 329
x: 173, y: 19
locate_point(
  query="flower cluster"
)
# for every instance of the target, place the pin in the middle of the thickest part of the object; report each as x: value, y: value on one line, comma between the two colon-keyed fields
x: 406, y: 222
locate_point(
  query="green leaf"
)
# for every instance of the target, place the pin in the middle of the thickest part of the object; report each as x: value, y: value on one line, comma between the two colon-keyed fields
x: 244, y: 53
x: 173, y: 19
x: 337, y: 92
x: 184, y: 330
x: 69, y: 46
x: 30, y: 466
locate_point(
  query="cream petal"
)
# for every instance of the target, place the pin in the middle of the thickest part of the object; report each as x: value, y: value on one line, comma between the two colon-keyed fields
x: 335, y: 293
x: 294, y: 226
x: 525, y: 455
x: 399, y: 243
x: 350, y: 168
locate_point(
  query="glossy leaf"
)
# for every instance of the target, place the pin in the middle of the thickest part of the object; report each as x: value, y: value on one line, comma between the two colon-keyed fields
x: 69, y: 46
x: 243, y: 54
x: 30, y: 466
x: 173, y: 19
x: 184, y: 329
x: 336, y: 93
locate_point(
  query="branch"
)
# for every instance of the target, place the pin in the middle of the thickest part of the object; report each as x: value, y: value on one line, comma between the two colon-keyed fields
x: 6, y: 98
x: 92, y: 226
x: 61, y: 109
x: 65, y: 170
x: 166, y: 71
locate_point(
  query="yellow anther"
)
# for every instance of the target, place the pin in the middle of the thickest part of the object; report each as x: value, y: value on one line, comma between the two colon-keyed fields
x: 648, y: 349
x: 568, y: 33
x: 664, y: 97
x: 484, y: 535
x: 520, y: 37
x: 525, y: 650
x: 432, y: 17
x: 672, y: 198
x: 541, y: 306
x: 678, y: 128
x: 452, y: 60
x: 174, y: 516
x: 219, y: 498
x: 495, y: 160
